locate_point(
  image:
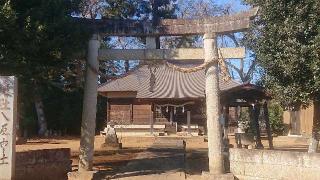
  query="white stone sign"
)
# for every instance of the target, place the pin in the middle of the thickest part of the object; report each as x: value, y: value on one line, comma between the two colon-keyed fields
x: 8, y: 118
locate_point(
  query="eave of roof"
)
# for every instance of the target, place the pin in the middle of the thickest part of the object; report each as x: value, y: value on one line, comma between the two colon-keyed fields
x: 161, y: 81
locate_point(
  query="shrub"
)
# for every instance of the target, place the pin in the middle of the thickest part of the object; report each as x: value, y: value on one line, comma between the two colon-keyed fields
x: 275, y: 117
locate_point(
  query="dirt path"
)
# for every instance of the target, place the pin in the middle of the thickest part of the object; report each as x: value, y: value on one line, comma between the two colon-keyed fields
x: 135, y: 161
x: 280, y: 143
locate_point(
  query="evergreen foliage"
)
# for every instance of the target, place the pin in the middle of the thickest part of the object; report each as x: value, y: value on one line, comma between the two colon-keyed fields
x: 44, y: 47
x: 286, y: 42
x: 287, y: 46
x: 275, y: 118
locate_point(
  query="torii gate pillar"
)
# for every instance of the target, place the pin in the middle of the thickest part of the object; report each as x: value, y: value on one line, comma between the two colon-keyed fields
x: 88, y: 124
x: 216, y: 163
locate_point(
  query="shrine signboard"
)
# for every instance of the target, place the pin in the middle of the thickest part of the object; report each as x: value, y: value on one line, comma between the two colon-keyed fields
x: 8, y: 117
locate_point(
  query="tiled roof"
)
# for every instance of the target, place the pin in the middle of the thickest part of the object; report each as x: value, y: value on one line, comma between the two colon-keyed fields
x: 161, y: 81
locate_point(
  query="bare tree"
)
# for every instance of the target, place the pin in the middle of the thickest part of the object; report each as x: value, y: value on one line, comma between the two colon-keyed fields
x: 91, y: 8
x: 128, y: 43
x: 244, y: 68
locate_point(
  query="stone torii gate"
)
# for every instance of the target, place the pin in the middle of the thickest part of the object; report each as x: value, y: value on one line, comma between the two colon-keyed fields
x: 209, y: 27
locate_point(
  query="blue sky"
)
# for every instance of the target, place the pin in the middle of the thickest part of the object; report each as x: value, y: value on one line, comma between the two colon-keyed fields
x: 237, y: 4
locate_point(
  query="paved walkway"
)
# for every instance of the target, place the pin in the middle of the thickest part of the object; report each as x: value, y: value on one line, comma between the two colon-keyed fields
x: 163, y: 160
x: 163, y: 176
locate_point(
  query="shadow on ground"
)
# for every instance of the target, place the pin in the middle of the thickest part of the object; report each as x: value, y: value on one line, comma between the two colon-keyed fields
x: 152, y: 161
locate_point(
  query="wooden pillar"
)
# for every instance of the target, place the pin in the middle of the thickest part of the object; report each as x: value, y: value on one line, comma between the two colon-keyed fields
x: 108, y: 112
x: 256, y: 113
x: 88, y: 123
x: 131, y: 112
x: 238, y: 112
x: 151, y: 122
x: 225, y: 127
x: 216, y: 162
x: 226, y: 122
x: 189, y: 122
x: 266, y: 118
x: 171, y: 115
x: 239, y: 127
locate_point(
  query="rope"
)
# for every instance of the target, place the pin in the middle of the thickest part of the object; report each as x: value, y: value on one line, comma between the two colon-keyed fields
x: 174, y: 105
x: 189, y: 70
x: 224, y: 69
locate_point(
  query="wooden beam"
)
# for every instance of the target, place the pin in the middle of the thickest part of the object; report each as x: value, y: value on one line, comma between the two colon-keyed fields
x: 166, y: 54
x: 175, y: 27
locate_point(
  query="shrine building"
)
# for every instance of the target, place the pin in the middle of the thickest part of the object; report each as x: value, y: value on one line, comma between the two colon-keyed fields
x: 159, y: 97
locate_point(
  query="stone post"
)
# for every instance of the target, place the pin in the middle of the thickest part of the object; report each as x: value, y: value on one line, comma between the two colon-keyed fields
x: 8, y: 120
x: 216, y: 165
x: 88, y: 124
x: 151, y: 43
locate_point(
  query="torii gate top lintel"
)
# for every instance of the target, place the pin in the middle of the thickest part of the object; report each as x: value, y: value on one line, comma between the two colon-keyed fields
x: 174, y: 27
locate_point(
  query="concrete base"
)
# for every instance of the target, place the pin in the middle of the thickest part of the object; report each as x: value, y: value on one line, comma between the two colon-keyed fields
x: 208, y: 176
x: 85, y: 175
x: 113, y: 146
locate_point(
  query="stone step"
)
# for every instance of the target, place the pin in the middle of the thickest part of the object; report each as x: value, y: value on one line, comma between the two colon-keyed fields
x: 163, y: 176
x: 170, y: 128
x: 208, y: 176
x: 162, y: 143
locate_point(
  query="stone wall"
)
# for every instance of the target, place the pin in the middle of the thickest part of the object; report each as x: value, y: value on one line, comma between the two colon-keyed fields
x: 266, y: 164
x: 43, y: 164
